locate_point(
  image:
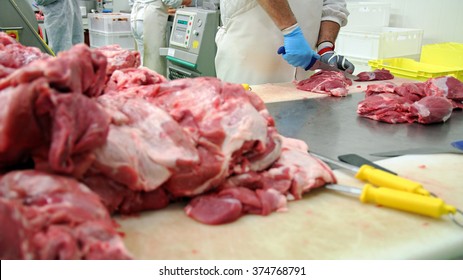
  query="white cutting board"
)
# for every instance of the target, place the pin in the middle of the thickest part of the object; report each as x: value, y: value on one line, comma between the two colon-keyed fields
x: 323, y: 225
x: 279, y: 92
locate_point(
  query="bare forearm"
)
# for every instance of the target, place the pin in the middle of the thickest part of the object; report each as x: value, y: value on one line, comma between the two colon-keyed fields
x: 328, y: 31
x: 280, y: 12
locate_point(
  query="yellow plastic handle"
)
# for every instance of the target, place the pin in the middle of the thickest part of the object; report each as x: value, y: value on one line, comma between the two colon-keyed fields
x: 410, y: 202
x: 385, y: 179
x: 246, y: 86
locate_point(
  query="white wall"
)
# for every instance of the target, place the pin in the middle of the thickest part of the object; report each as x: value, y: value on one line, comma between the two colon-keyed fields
x: 441, y: 20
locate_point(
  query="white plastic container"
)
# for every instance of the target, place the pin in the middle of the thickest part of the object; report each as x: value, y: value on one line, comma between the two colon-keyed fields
x: 110, y: 23
x: 368, y: 14
x: 369, y: 42
x: 100, y: 39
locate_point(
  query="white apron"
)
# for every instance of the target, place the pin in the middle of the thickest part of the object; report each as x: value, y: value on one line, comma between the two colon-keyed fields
x: 149, y: 22
x: 248, y: 41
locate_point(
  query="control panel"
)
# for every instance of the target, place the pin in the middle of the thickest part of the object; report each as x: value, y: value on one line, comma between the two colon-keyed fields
x: 182, y: 27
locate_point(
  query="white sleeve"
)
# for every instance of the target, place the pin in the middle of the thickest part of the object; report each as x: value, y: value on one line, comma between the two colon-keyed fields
x: 335, y: 10
x: 172, y: 3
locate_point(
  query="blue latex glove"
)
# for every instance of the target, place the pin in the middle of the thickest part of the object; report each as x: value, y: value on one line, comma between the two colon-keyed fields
x: 329, y: 56
x: 296, y: 51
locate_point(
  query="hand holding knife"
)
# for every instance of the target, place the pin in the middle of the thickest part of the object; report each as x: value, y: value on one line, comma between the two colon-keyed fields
x: 316, y: 64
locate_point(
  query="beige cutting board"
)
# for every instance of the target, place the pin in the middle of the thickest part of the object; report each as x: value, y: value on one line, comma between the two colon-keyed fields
x: 323, y: 225
x: 287, y: 91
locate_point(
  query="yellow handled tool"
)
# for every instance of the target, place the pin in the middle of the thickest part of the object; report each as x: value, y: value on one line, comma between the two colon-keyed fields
x: 379, y: 177
x: 405, y: 201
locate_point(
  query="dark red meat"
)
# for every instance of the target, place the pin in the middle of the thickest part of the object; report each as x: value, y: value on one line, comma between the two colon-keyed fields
x: 432, y: 109
x: 377, y: 75
x: 428, y: 102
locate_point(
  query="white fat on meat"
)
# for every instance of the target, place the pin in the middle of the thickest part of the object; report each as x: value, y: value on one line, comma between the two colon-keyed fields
x: 437, y: 87
x: 306, y: 171
x: 143, y: 152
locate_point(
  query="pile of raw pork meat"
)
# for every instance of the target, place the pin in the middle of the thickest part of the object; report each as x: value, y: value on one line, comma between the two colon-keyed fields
x: 429, y: 102
x: 334, y: 83
x: 89, y: 133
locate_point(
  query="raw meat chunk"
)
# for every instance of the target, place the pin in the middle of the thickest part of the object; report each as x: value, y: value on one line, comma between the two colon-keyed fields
x: 294, y: 173
x: 79, y: 70
x: 53, y: 217
x: 432, y: 109
x: 119, y: 58
x: 380, y: 88
x: 66, y: 128
x: 329, y: 82
x: 385, y: 107
x: 411, y: 91
x: 424, y: 103
x: 448, y: 87
x: 14, y: 55
x: 377, y: 75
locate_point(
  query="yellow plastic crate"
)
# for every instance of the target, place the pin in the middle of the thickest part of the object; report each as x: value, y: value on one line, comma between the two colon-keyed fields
x: 411, y: 69
x: 447, y: 54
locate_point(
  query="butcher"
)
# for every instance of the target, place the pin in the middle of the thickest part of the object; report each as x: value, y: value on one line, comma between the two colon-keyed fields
x: 63, y: 22
x: 148, y: 23
x: 254, y: 30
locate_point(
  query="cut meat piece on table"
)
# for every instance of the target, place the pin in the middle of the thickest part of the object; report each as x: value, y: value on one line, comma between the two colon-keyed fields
x: 448, y: 87
x: 411, y: 91
x: 377, y: 75
x: 144, y: 146
x: 293, y: 174
x: 385, y: 107
x: 328, y: 82
x: 54, y: 217
x: 391, y: 108
x: 380, y: 88
x: 232, y: 131
x: 424, y: 103
x: 432, y: 109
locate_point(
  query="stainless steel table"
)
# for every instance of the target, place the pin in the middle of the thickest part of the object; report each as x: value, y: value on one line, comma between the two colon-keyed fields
x: 331, y: 127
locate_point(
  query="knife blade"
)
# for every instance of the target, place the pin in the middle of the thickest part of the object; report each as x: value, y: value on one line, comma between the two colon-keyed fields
x: 418, y: 151
x: 325, y: 66
x: 358, y: 161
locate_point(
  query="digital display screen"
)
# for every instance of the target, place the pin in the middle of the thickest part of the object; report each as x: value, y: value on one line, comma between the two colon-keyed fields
x: 181, y: 30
